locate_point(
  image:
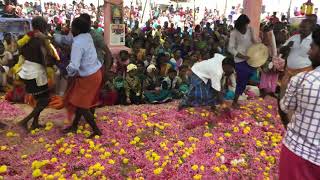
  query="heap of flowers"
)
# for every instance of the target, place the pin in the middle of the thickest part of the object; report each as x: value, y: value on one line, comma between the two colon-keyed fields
x: 151, y: 142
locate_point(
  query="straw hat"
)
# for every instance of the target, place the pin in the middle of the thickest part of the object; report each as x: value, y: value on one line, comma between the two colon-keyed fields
x: 131, y: 67
x: 258, y: 54
x: 151, y: 67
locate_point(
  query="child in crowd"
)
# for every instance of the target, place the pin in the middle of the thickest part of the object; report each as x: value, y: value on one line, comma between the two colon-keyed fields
x: 229, y: 86
x: 184, y: 74
x: 120, y: 66
x: 10, y: 44
x: 149, y: 60
x: 118, y: 83
x: 109, y: 94
x: 164, y: 64
x: 138, y: 51
x: 132, y: 86
x: 177, y: 60
x: 5, y: 61
x: 171, y: 82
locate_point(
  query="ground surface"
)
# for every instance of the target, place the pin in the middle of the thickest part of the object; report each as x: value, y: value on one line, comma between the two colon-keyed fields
x: 147, y: 141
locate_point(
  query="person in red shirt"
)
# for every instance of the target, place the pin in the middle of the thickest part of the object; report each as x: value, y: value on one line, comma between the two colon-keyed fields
x: 274, y: 19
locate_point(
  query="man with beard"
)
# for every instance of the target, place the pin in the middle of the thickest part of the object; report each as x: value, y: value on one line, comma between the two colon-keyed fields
x: 300, y: 155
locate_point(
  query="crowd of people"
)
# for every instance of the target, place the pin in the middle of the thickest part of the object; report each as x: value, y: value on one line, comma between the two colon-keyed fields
x: 203, y: 65
x: 58, y: 13
x: 161, y: 65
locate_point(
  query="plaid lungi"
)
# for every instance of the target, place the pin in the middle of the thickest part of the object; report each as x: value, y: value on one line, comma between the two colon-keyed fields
x: 200, y: 93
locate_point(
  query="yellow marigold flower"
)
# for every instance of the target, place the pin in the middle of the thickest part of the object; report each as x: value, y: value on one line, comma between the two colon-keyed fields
x: 107, y: 154
x: 180, y: 143
x: 82, y: 151
x: 11, y: 134
x: 3, y: 169
x: 268, y: 115
x: 68, y: 151
x: 263, y: 153
x: 158, y: 171
x: 110, y: 161
x: 221, y: 150
x: 223, y: 166
x: 49, y: 177
x: 137, y: 139
x: 207, y: 135
x: 218, y: 154
x: 24, y: 156
x: 54, y: 160
x: 258, y: 143
x: 36, y: 173
x: 122, y: 152
x: 270, y: 107
x: 3, y: 148
x: 145, y: 116
x: 195, y: 167
x: 88, y: 156
x: 227, y: 134
x: 202, y: 168
x: 125, y: 161
x: 220, y: 139
x: 216, y: 169
x: 63, y: 170
x: 197, y: 177
x: 235, y: 129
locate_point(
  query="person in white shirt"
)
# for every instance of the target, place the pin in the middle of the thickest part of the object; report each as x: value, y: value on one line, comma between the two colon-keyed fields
x: 298, y: 60
x: 85, y: 69
x: 205, y: 82
x: 241, y: 38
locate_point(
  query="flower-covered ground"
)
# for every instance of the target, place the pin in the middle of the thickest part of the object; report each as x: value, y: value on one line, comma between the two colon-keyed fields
x: 147, y: 142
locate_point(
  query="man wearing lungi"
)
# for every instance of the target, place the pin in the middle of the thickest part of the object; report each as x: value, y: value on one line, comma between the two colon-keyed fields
x: 33, y: 73
x: 205, y: 82
x: 85, y: 69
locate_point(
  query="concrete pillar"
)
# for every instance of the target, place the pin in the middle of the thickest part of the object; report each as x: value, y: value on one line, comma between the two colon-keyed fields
x: 107, y: 21
x: 252, y: 8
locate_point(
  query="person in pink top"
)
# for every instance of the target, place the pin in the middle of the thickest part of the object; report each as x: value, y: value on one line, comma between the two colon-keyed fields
x: 269, y: 75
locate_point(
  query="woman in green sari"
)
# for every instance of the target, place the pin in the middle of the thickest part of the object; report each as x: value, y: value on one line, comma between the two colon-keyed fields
x: 153, y: 92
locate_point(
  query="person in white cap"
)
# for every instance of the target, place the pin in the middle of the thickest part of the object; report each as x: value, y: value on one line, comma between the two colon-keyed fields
x: 153, y: 92
x: 132, y: 85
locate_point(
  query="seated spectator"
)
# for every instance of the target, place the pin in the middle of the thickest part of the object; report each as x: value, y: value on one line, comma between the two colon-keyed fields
x: 164, y: 64
x: 177, y: 60
x: 229, y: 86
x: 171, y: 83
x: 5, y: 58
x: 152, y: 87
x: 109, y: 94
x: 132, y: 86
x: 120, y: 65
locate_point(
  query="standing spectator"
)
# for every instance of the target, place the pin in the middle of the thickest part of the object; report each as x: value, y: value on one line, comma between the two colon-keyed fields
x: 240, y: 40
x: 300, y: 155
